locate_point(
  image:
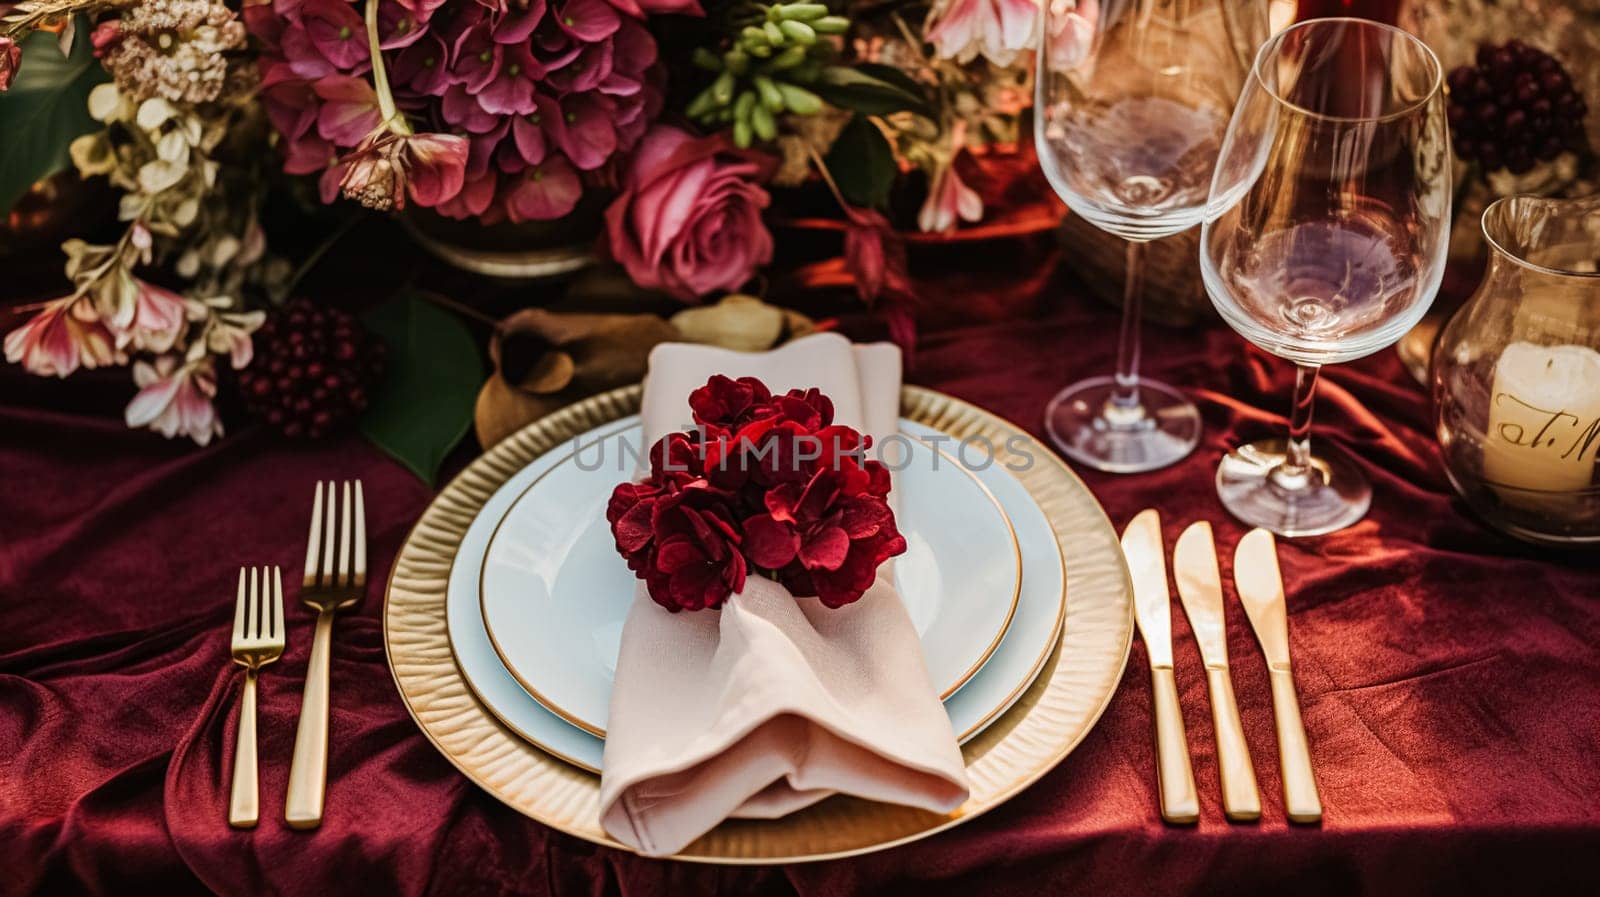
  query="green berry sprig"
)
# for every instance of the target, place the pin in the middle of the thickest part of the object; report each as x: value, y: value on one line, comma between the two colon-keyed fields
x: 778, y: 51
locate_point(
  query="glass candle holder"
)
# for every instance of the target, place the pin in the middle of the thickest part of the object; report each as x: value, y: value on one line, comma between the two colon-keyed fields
x: 1516, y: 374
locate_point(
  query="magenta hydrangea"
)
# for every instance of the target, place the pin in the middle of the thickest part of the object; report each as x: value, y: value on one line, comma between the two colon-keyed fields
x: 546, y: 93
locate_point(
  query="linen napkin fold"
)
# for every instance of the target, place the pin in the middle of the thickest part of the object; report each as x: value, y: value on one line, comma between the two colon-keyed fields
x: 772, y: 702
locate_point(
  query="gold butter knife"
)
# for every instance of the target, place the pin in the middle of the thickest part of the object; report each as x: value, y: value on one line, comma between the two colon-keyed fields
x: 1200, y: 587
x: 1260, y: 586
x: 1152, y: 602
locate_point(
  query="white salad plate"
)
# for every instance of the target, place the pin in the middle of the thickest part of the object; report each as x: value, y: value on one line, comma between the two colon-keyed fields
x: 537, y: 594
x: 555, y: 593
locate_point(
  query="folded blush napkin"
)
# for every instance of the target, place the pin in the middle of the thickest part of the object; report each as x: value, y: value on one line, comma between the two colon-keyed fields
x: 772, y: 702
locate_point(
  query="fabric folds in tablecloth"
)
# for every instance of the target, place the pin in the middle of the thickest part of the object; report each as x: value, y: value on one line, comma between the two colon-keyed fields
x: 1449, y: 677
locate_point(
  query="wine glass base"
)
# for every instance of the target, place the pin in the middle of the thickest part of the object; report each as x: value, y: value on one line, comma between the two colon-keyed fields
x: 1090, y: 429
x: 1336, y: 494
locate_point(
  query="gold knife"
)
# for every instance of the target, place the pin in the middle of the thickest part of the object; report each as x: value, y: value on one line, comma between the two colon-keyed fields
x: 1260, y: 586
x: 1141, y: 545
x: 1200, y: 587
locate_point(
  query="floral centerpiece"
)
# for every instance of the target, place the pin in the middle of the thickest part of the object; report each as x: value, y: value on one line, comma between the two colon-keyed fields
x: 686, y: 118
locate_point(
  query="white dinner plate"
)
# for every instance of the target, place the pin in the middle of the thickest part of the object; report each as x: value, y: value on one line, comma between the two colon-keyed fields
x: 555, y: 595
x: 592, y: 634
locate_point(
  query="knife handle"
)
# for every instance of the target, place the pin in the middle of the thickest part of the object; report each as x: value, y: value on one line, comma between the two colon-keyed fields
x: 1179, y: 803
x: 1300, y: 797
x: 1241, y: 802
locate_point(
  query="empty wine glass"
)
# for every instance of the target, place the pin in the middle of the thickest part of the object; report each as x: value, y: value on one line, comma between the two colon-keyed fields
x: 1128, y: 128
x: 1325, y: 238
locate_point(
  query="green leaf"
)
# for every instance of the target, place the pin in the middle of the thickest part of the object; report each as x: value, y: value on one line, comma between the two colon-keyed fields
x: 862, y: 164
x: 45, y: 109
x: 431, y: 380
x: 895, y: 78
x: 871, y: 89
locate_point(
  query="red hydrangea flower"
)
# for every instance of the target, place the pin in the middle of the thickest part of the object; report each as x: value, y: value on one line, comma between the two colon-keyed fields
x: 827, y: 536
x: 728, y: 403
x: 747, y: 431
x: 769, y: 482
x: 677, y: 532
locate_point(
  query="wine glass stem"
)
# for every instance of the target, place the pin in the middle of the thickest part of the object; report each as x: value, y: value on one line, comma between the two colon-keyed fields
x: 1126, y: 396
x: 1296, y: 470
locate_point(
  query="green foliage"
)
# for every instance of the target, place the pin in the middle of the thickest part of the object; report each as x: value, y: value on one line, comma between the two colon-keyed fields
x: 872, y: 89
x: 424, y: 405
x: 862, y: 164
x: 45, y: 109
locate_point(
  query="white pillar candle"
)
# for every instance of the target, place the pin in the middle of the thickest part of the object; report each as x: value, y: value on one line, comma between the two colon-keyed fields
x: 1544, y: 420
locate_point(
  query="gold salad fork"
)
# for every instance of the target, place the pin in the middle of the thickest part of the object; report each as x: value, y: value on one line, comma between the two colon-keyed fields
x: 257, y: 641
x: 336, y: 578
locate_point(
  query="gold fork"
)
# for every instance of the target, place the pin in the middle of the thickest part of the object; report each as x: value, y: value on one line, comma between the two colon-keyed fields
x: 336, y: 578
x: 257, y: 641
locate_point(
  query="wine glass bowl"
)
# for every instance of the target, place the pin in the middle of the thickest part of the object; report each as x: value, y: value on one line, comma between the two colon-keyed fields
x: 1128, y: 131
x: 1138, y: 167
x: 1323, y: 292
x: 1325, y: 237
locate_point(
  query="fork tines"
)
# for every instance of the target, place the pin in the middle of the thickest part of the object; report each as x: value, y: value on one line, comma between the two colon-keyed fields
x: 336, y: 549
x: 258, y: 630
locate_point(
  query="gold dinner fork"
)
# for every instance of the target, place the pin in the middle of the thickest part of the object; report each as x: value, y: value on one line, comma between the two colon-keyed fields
x: 257, y: 641
x: 336, y: 578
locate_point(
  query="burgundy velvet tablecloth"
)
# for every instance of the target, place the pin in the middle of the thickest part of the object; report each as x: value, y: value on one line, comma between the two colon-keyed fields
x: 1450, y: 678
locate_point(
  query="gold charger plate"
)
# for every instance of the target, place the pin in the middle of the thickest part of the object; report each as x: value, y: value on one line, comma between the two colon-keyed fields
x: 1026, y: 742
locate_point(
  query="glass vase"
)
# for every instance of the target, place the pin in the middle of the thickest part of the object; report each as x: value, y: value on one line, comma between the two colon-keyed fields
x: 1516, y: 374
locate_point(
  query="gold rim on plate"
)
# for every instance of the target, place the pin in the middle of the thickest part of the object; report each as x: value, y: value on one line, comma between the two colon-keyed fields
x: 598, y: 731
x: 1027, y: 741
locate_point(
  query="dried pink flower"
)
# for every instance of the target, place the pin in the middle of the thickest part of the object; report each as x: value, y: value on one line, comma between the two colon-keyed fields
x: 10, y: 60
x: 949, y: 198
x: 996, y: 29
x: 389, y: 166
x: 152, y: 320
x: 63, y: 336
x: 175, y: 398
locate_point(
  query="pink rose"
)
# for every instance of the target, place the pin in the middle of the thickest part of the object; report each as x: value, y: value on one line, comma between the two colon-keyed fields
x: 689, y: 217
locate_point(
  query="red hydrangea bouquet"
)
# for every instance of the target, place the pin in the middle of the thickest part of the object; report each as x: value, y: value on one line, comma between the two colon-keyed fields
x: 764, y: 482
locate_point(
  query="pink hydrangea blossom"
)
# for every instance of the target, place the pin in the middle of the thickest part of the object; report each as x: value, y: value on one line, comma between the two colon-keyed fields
x: 544, y: 94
